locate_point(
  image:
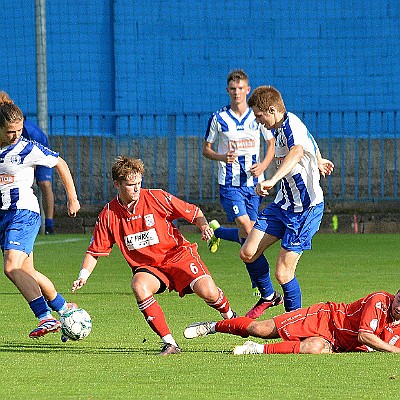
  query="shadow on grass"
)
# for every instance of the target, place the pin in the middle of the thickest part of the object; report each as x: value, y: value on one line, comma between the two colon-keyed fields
x: 15, y: 347
x: 41, y: 348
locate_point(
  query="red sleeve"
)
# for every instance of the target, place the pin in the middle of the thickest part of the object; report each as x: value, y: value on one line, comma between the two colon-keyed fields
x: 103, y: 239
x: 176, y: 207
x: 374, y: 314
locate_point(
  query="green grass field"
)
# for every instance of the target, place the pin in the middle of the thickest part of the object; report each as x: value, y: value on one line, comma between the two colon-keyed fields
x: 118, y: 360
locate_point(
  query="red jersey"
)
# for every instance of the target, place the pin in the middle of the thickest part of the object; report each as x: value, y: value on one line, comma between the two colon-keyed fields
x: 370, y: 314
x: 146, y: 235
x: 340, y: 323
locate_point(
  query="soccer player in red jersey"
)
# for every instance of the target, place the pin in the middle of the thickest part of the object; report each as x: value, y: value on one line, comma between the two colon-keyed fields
x: 140, y: 222
x: 368, y: 324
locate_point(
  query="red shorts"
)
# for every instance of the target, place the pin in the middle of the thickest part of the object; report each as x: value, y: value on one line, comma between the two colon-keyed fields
x: 180, y: 272
x: 314, y: 321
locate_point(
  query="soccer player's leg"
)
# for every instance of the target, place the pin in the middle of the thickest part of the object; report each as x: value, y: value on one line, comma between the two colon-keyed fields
x: 295, y: 240
x: 228, y: 200
x: 256, y: 263
x: 258, y: 269
x: 214, y: 297
x: 54, y: 299
x: 144, y: 285
x: 17, y: 246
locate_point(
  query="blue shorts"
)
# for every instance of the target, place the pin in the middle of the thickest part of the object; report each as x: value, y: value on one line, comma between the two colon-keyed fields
x: 43, y: 173
x: 295, y: 229
x: 238, y: 201
x: 18, y: 230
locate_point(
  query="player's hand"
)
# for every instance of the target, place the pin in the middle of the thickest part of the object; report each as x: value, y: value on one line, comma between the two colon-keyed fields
x: 263, y: 188
x: 256, y: 170
x: 325, y: 167
x: 73, y: 207
x: 78, y: 284
x: 207, y: 233
x: 230, y: 157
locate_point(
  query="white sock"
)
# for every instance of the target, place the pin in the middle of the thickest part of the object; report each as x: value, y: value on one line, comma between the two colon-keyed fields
x: 227, y: 315
x: 63, y: 309
x: 169, y: 339
x: 259, y: 348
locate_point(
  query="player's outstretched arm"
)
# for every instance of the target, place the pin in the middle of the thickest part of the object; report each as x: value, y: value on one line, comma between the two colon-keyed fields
x: 64, y: 172
x: 206, y: 232
x: 88, y: 264
x: 373, y: 341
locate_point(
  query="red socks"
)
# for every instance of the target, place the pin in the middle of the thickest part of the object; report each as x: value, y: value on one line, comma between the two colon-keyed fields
x: 236, y: 326
x: 222, y: 304
x: 282, y: 348
x: 154, y: 316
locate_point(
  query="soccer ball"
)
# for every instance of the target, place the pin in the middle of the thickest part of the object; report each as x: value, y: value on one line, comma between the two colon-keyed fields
x: 76, y: 324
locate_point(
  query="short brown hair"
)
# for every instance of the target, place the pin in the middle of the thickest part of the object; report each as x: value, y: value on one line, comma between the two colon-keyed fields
x: 125, y: 167
x: 264, y: 97
x: 237, y: 75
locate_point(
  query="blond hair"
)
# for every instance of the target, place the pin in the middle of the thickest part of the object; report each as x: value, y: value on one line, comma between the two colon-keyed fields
x: 126, y: 167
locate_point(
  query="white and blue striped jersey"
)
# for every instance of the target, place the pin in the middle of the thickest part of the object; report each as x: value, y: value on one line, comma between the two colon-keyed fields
x: 17, y: 163
x: 300, y: 188
x: 242, y: 136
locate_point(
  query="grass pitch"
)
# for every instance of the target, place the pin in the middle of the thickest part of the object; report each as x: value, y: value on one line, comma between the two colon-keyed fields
x: 118, y: 360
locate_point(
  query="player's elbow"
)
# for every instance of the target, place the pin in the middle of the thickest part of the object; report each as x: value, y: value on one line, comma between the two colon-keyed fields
x: 363, y: 337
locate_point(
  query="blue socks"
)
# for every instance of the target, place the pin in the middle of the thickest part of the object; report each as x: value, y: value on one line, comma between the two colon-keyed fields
x: 58, y: 303
x: 291, y: 295
x: 40, y: 308
x: 260, y: 276
x: 258, y: 270
x: 49, y: 223
x: 231, y: 234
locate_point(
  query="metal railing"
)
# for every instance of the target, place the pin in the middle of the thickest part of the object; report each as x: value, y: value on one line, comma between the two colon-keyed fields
x: 363, y: 145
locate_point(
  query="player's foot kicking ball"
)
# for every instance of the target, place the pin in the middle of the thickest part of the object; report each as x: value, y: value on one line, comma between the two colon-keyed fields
x: 45, y: 326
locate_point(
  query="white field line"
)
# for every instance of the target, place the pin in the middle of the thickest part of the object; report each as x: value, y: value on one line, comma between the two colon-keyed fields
x: 60, y: 241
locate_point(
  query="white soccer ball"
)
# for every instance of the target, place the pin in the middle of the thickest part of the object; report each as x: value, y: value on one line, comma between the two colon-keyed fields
x: 76, y: 324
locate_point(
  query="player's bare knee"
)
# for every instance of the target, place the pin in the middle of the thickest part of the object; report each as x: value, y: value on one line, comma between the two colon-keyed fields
x: 246, y: 256
x: 280, y: 277
x: 316, y: 345
x: 206, y: 289
x: 142, y: 287
x: 256, y: 329
x: 265, y: 329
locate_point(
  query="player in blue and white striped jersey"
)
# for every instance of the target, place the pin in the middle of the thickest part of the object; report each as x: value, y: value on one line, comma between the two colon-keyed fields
x: 295, y: 215
x: 43, y: 175
x: 239, y: 170
x: 20, y: 215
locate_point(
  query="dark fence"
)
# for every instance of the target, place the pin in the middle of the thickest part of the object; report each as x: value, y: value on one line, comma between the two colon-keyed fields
x: 363, y: 145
